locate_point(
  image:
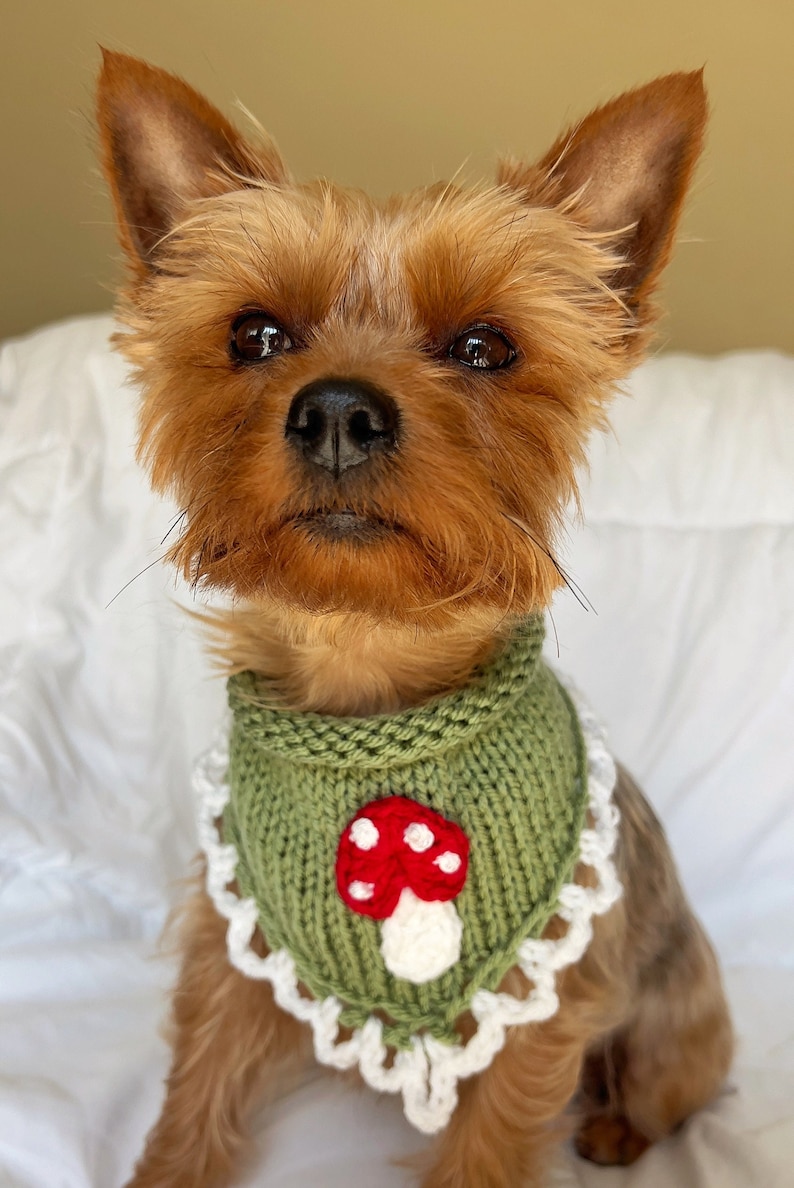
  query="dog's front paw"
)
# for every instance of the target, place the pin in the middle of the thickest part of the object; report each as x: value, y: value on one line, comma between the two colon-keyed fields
x: 610, y: 1140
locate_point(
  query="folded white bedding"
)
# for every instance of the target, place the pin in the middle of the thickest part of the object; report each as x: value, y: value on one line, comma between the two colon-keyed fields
x: 105, y: 697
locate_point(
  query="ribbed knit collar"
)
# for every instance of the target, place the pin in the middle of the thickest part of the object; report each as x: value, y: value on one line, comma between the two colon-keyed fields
x: 386, y: 740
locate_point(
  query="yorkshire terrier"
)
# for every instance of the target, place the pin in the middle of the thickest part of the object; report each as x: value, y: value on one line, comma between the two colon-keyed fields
x: 372, y: 415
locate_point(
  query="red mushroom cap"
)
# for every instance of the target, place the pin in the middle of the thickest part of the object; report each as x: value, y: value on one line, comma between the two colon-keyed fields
x: 396, y: 843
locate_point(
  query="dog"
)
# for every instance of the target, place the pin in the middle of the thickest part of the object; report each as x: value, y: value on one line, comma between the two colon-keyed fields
x: 372, y: 415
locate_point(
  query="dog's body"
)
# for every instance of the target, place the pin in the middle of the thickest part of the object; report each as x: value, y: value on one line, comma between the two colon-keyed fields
x: 372, y: 415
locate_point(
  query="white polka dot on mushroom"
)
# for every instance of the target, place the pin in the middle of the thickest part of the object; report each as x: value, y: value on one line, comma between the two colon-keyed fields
x: 364, y: 834
x: 418, y: 837
x: 359, y: 890
x: 447, y: 862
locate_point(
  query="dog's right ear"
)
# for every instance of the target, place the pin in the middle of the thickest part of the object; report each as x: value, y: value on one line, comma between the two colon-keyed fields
x: 164, y: 145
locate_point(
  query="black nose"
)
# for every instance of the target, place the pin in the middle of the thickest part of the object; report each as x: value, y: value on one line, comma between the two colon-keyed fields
x: 340, y: 423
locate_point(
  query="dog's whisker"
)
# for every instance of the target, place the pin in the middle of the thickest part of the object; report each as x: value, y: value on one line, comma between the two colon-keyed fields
x: 578, y: 594
x: 550, y: 614
x: 126, y: 586
x: 180, y: 516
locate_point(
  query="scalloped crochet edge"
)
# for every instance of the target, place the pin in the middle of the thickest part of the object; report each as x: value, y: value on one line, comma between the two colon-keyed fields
x: 427, y: 1074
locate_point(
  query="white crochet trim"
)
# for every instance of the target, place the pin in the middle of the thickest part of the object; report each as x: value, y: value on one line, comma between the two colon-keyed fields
x: 426, y: 1074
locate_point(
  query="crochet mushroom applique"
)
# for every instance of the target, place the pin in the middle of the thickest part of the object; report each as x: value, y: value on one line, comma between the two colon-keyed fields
x: 403, y: 863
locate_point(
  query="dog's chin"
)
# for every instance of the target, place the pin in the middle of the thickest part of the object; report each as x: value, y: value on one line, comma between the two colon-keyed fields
x: 339, y: 561
x: 348, y: 560
x: 352, y: 560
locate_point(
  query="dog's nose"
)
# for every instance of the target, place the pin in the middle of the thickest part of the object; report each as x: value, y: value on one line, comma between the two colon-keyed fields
x: 340, y: 423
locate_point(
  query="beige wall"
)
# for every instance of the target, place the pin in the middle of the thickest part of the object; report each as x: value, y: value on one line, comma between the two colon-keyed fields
x: 388, y: 95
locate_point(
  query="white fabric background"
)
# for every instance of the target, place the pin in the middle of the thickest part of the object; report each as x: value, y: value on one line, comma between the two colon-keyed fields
x: 688, y: 558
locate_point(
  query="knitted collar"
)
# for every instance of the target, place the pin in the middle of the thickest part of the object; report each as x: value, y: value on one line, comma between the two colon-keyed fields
x: 388, y: 740
x: 399, y: 865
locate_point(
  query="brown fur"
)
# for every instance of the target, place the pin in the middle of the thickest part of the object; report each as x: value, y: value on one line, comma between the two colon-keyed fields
x: 563, y: 258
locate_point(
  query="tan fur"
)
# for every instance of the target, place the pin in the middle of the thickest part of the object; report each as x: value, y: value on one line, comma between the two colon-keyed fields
x: 352, y: 664
x: 562, y: 257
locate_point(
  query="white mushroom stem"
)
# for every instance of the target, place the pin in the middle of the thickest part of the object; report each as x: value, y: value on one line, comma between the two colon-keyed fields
x: 421, y: 940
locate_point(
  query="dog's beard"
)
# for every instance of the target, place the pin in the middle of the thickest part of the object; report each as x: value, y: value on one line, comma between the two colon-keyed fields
x: 341, y: 560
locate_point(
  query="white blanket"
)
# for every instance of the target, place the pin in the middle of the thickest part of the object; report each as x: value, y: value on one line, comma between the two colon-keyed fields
x: 688, y: 558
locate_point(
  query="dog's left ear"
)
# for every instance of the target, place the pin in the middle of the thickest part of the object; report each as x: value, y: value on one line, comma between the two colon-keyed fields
x: 164, y: 145
x: 626, y: 168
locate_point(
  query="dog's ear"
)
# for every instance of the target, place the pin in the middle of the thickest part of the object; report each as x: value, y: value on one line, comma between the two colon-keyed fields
x: 164, y: 145
x: 626, y: 168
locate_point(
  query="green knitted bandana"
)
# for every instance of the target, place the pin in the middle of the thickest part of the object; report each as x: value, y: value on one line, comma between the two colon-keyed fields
x: 314, y: 798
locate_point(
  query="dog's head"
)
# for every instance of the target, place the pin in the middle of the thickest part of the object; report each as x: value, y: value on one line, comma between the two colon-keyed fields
x: 381, y: 406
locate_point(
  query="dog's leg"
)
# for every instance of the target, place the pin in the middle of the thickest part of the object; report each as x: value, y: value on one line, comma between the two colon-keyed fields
x: 511, y: 1116
x: 670, y: 1053
x: 229, y: 1042
x: 670, y: 1059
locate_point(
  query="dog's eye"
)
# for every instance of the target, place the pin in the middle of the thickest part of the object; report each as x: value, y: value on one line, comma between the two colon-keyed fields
x: 257, y: 336
x: 483, y: 347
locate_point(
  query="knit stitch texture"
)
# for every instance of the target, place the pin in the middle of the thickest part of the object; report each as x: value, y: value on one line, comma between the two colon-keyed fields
x: 503, y: 758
